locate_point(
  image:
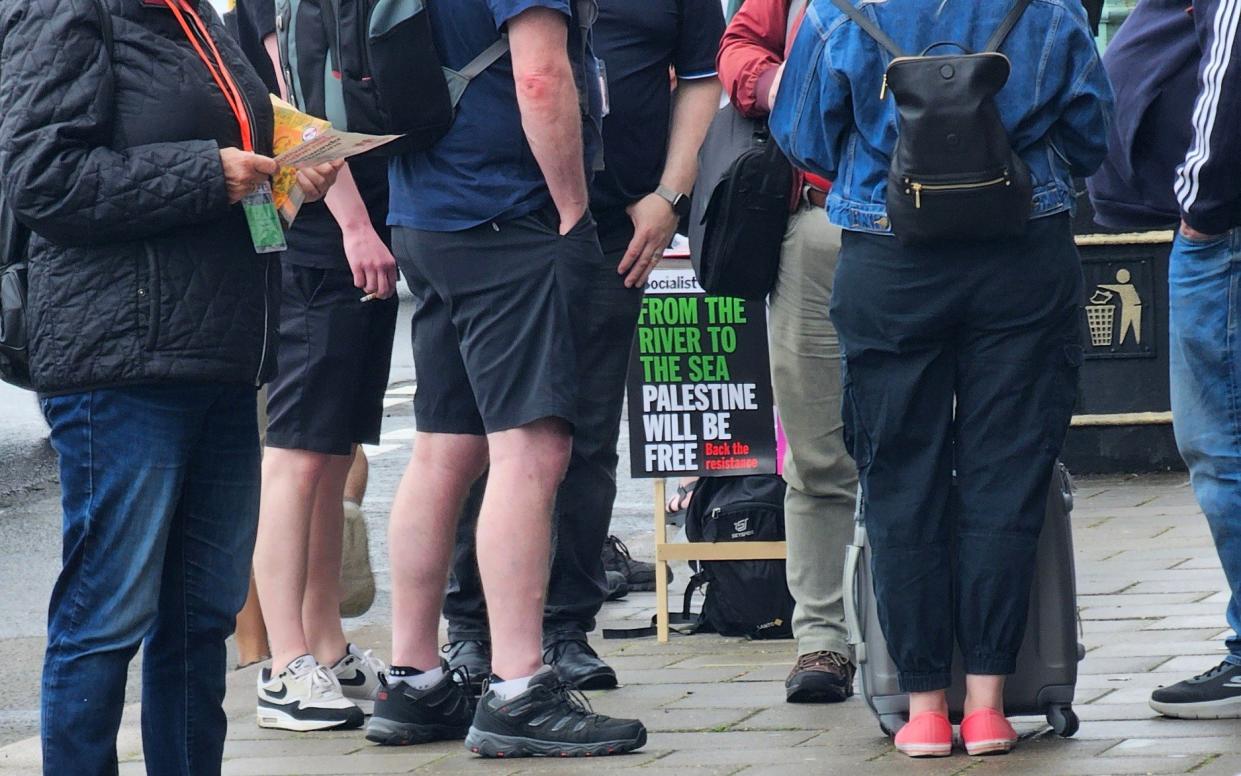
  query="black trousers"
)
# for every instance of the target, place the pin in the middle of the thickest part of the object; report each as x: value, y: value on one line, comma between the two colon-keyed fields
x: 583, y: 510
x: 962, y: 359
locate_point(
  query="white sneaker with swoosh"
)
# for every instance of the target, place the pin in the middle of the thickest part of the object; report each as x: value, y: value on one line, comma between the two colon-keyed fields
x: 303, y: 697
x: 358, y: 673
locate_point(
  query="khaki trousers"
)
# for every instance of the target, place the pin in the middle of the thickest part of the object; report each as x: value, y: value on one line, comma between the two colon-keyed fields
x: 805, y: 370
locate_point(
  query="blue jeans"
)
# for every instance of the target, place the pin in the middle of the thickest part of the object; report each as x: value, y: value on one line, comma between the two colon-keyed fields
x: 160, y: 488
x: 1204, y: 323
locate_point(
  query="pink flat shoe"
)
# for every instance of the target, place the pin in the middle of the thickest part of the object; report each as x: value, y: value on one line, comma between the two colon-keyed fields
x: 927, y: 735
x: 986, y: 731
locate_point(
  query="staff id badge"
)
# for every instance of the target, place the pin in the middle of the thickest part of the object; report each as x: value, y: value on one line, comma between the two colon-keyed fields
x: 265, y: 230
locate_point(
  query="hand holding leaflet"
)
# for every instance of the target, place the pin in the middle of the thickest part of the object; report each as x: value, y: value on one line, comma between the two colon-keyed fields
x: 301, y: 140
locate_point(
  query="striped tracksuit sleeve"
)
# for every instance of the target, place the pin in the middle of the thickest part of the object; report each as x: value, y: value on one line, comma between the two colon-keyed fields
x: 1208, y: 184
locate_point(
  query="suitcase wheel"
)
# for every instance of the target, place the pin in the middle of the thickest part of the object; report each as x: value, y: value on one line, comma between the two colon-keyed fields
x: 1063, y: 720
x: 891, y: 723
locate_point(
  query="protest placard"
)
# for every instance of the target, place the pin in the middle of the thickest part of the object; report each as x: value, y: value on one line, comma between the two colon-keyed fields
x: 700, y: 399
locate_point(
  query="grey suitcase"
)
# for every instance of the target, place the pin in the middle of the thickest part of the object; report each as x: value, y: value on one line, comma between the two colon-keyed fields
x: 1047, y: 664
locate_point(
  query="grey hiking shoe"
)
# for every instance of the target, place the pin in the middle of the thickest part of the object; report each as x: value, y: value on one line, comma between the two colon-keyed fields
x: 550, y: 719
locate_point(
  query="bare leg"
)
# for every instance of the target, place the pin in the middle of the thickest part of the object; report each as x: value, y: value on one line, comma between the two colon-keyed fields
x: 251, y: 633
x: 290, y: 482
x: 359, y: 476
x: 984, y: 692
x: 921, y: 702
x: 421, y: 536
x: 514, y: 539
x: 321, y: 602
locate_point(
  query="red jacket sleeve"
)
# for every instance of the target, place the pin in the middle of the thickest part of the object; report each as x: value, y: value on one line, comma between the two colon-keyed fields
x: 751, y: 50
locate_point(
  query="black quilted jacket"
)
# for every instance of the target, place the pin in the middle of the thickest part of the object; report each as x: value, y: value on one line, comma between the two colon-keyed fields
x: 140, y: 270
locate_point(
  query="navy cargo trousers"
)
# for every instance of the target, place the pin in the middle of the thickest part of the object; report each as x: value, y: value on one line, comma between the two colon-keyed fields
x: 960, y: 358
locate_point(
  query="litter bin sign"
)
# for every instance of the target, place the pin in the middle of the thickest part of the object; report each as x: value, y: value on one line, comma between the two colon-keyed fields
x: 1120, y: 307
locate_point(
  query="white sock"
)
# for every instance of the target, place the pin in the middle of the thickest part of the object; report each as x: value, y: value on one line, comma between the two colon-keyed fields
x: 423, y: 681
x: 510, y: 688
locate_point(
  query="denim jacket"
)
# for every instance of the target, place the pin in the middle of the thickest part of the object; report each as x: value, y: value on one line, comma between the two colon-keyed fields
x: 829, y: 117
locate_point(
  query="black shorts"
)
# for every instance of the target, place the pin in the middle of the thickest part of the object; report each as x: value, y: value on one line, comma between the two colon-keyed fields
x: 493, y: 332
x: 333, y: 356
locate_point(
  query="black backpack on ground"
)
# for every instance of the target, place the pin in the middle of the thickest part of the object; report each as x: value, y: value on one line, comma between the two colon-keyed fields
x: 743, y: 597
x: 14, y: 246
x: 954, y: 173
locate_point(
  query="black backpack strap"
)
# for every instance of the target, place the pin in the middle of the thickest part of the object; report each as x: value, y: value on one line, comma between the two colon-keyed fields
x: 331, y: 27
x: 870, y: 28
x: 685, y: 617
x: 1001, y: 33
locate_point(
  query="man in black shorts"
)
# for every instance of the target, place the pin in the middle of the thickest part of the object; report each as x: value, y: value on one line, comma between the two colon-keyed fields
x: 637, y: 200
x: 333, y: 356
x: 495, y: 240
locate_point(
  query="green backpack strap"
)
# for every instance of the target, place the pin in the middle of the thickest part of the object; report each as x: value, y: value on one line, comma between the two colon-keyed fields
x: 286, y: 37
x: 458, y: 80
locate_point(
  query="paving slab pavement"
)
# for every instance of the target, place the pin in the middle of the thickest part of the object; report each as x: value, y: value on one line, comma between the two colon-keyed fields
x: 1151, y: 610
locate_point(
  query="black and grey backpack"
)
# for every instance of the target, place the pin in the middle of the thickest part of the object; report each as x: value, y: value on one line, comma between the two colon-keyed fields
x: 743, y: 597
x: 371, y: 66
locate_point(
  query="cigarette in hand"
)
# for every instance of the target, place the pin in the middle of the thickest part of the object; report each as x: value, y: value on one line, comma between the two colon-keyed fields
x: 370, y: 297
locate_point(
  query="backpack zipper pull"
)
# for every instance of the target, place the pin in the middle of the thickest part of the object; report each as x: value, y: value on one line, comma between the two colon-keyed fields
x: 917, y: 187
x: 883, y: 90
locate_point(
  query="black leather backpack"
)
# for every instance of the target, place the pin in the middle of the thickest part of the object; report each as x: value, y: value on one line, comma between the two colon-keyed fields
x: 954, y: 174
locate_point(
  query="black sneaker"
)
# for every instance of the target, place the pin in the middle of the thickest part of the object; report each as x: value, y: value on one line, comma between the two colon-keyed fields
x: 471, y: 660
x: 548, y: 720
x: 579, y: 666
x: 406, y: 716
x: 639, y: 574
x: 1213, y: 695
x: 618, y: 586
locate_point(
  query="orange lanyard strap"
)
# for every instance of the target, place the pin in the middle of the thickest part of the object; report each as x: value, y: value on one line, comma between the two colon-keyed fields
x: 219, y: 72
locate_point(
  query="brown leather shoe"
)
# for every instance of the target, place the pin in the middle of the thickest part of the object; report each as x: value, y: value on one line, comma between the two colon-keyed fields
x: 820, y: 677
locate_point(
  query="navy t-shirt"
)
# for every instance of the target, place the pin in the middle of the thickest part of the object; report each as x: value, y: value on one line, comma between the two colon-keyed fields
x: 638, y: 41
x: 483, y: 169
x: 315, y: 239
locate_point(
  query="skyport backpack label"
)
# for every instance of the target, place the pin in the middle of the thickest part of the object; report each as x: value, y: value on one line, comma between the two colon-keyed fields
x: 954, y: 174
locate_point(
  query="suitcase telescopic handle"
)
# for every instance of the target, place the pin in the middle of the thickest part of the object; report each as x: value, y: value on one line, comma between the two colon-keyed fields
x: 853, y: 558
